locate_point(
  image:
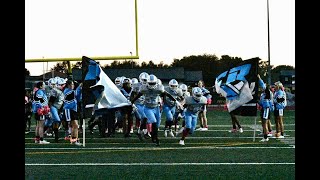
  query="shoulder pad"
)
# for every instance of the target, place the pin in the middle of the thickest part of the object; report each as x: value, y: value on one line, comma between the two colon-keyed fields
x: 160, y: 88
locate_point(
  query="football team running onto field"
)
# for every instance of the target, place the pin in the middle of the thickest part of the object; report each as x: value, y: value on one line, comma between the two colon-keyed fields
x: 57, y: 104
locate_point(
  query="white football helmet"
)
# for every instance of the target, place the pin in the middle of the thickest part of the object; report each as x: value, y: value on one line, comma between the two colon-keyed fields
x: 143, y: 77
x: 184, y: 88
x: 126, y: 80
x: 52, y: 82
x: 173, y: 84
x: 134, y: 80
x: 196, y: 93
x: 152, y: 81
x: 61, y: 82
x: 117, y: 81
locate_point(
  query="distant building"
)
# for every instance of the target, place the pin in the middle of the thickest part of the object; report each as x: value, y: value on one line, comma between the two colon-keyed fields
x: 165, y: 74
x: 287, y: 78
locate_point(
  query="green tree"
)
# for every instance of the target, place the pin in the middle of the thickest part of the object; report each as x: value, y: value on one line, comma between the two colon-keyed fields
x: 210, y: 65
x: 26, y: 72
x: 61, y: 67
x: 275, y: 72
x: 115, y: 64
x: 226, y: 62
x: 144, y: 65
x: 151, y: 64
x: 78, y: 65
x: 162, y: 65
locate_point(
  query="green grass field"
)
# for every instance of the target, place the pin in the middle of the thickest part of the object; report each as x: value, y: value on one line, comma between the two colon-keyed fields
x: 212, y: 154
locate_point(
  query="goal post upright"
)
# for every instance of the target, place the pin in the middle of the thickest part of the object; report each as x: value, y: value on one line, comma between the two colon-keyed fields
x: 98, y: 57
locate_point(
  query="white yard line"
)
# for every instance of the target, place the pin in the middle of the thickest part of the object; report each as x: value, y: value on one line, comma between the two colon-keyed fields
x: 157, y: 164
x: 161, y: 148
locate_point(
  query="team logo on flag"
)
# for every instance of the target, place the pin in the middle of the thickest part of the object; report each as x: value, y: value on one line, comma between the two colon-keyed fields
x: 239, y: 86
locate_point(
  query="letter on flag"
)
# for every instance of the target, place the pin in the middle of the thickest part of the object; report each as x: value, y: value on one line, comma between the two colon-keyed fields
x: 239, y: 85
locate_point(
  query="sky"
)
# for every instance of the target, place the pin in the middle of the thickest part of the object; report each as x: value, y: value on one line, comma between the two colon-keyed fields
x: 167, y: 30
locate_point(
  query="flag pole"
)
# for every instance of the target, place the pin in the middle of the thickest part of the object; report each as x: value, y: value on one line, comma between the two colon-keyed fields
x: 254, y: 129
x: 84, y: 132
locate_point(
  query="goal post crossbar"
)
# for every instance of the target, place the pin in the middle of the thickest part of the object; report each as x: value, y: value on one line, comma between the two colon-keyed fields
x: 80, y: 58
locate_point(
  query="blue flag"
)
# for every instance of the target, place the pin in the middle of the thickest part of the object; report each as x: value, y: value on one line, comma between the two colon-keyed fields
x: 99, y: 91
x: 239, y: 85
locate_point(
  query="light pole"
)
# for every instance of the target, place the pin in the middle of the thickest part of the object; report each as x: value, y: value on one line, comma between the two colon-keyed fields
x: 269, y: 66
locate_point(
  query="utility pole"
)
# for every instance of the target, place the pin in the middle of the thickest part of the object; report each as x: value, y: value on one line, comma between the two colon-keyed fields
x: 269, y: 66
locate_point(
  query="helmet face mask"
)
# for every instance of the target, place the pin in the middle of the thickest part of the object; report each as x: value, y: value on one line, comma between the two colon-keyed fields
x: 196, y: 93
x: 126, y: 82
x: 117, y: 81
x: 143, y: 78
x: 184, y: 88
x: 173, y: 84
x: 152, y: 81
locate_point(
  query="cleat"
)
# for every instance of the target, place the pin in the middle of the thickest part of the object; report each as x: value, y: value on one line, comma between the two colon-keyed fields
x: 199, y: 129
x: 171, y: 133
x: 269, y: 134
x: 36, y: 140
x: 120, y: 130
x: 233, y: 131
x: 240, y: 130
x: 264, y: 140
x: 204, y: 129
x: 44, y: 142
x: 77, y: 143
x: 147, y: 136
x: 165, y: 133
x: 181, y: 142
x: 280, y: 137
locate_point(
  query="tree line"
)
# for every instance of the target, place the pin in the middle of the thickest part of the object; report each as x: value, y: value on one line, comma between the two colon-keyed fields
x: 210, y: 65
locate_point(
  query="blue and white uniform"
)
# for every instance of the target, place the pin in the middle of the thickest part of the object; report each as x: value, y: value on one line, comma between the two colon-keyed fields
x: 280, y: 102
x: 151, y: 103
x: 192, y: 109
x: 70, y: 103
x: 266, y: 101
x: 57, y: 97
x: 169, y: 106
x: 39, y: 101
x: 139, y: 103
